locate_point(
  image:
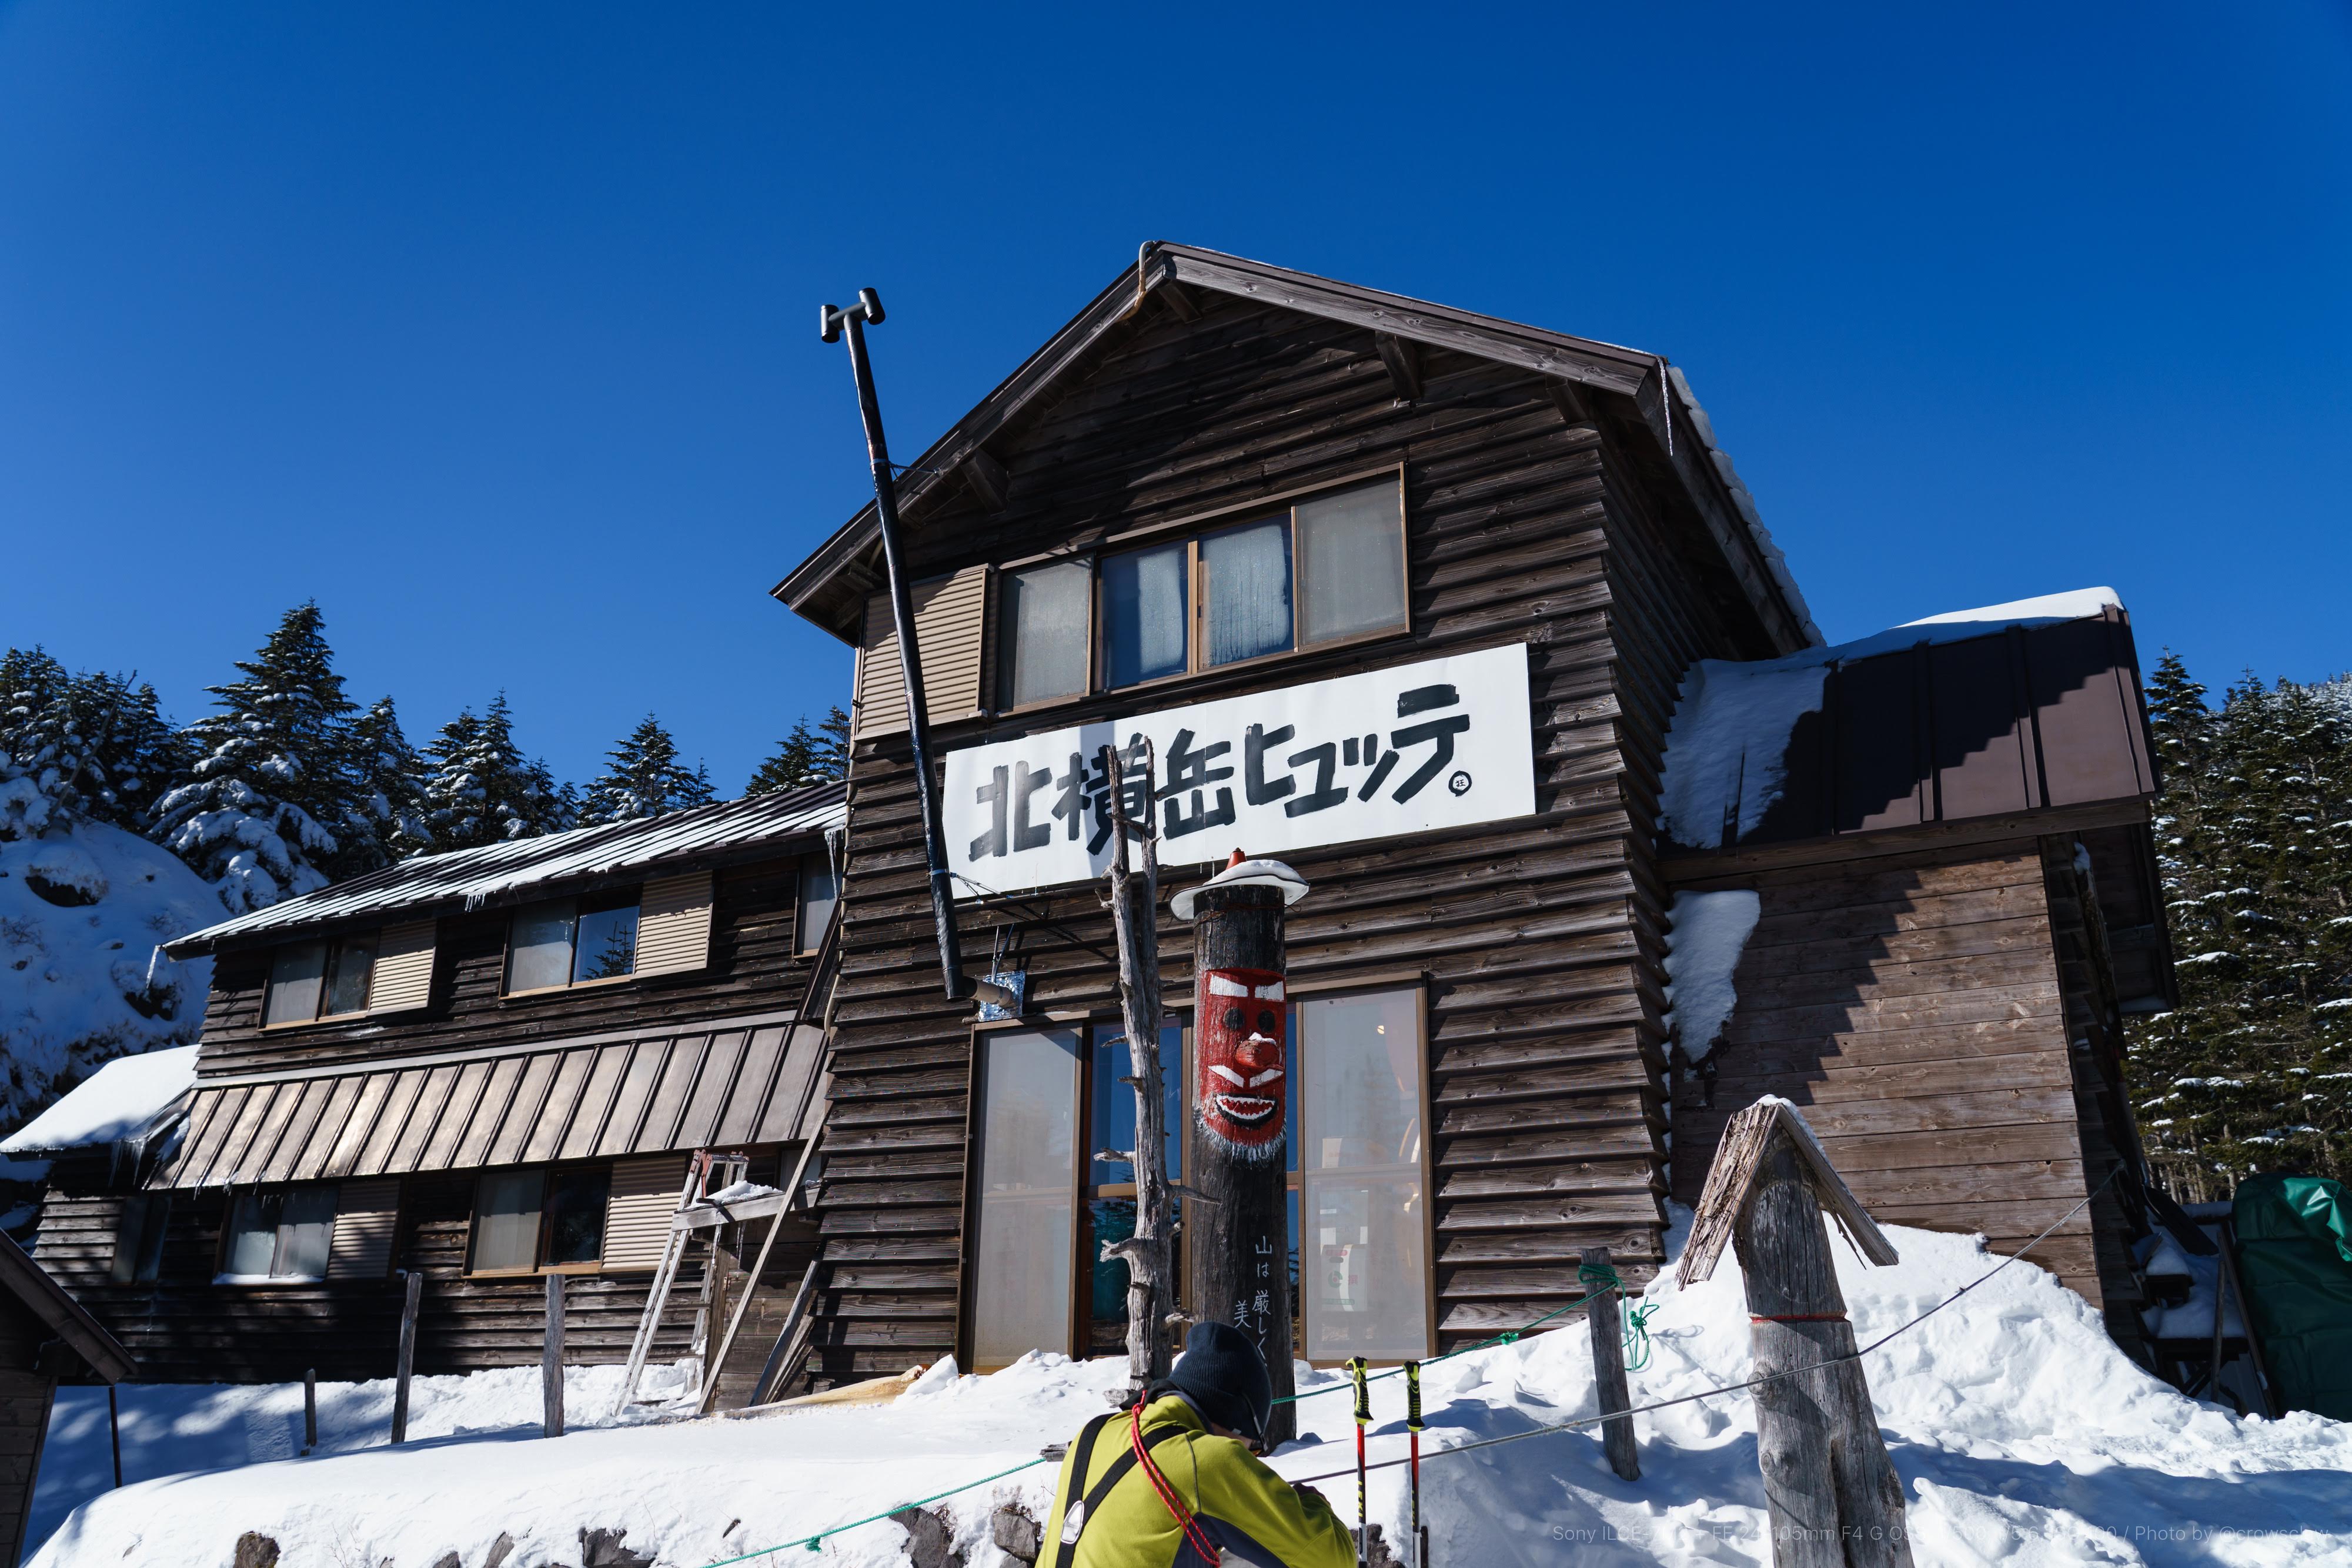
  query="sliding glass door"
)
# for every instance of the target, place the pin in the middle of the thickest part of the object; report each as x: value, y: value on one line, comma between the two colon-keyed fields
x: 1024, y: 1242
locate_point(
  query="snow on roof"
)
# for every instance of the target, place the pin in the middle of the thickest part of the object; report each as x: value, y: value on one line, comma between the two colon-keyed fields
x: 1730, y: 738
x: 123, y: 1100
x: 472, y: 876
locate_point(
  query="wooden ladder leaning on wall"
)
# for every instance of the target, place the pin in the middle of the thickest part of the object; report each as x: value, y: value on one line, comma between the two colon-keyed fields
x: 696, y: 1213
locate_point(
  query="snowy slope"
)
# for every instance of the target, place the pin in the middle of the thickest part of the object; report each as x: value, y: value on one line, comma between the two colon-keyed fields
x: 81, y: 911
x: 2022, y: 1437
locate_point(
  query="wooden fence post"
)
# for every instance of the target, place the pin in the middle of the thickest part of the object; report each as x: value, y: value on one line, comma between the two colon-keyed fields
x: 1832, y: 1492
x: 1601, y: 1314
x: 551, y: 1361
x: 407, y: 1355
x: 309, y: 1408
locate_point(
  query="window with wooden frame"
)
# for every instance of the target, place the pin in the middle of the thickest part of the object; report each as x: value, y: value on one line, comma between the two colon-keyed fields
x: 319, y: 980
x: 820, y: 895
x: 540, y: 1220
x: 1319, y: 570
x: 572, y: 941
x: 278, y: 1234
x: 1048, y: 1103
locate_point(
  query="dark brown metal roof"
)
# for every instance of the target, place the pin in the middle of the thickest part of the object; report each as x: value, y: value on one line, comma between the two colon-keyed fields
x: 2028, y: 718
x: 738, y: 1081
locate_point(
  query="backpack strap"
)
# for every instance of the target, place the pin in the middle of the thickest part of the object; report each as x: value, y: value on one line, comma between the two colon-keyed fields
x: 1082, y: 1456
x: 1080, y: 1514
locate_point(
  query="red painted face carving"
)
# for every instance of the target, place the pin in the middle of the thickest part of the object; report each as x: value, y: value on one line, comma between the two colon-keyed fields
x: 1242, y: 1088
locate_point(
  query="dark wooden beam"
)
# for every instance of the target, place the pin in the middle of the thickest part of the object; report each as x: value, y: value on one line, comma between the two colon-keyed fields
x: 1179, y: 300
x: 1404, y: 361
x: 1568, y: 398
x: 987, y: 478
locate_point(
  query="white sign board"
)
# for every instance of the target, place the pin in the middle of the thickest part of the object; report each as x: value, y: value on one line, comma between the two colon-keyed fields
x: 1440, y: 744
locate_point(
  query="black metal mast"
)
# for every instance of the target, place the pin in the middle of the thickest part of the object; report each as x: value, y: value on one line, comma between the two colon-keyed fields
x: 902, y: 612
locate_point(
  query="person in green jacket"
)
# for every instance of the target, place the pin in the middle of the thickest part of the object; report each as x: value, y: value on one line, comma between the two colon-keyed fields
x: 1187, y: 1490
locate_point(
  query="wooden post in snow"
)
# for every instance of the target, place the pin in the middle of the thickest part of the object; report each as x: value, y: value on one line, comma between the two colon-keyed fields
x: 1832, y: 1494
x: 407, y: 1359
x: 1601, y: 1314
x: 1135, y: 916
x: 1238, y: 1234
x: 309, y: 1408
x: 550, y: 1363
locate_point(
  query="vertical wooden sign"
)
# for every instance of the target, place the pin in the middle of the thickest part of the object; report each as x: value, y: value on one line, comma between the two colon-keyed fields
x: 1237, y: 1221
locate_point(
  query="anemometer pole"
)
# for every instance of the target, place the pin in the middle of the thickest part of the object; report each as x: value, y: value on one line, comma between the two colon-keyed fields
x: 834, y: 322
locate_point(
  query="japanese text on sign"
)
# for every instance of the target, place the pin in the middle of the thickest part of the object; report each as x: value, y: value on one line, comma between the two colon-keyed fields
x: 1440, y: 744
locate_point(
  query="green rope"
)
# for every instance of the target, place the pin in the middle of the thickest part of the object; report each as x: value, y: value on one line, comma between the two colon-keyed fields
x: 811, y: 1541
x: 1605, y: 1279
x: 1586, y: 1274
x: 1637, y: 1337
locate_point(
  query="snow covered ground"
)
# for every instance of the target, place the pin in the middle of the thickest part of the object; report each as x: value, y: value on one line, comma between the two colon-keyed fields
x: 2022, y: 1437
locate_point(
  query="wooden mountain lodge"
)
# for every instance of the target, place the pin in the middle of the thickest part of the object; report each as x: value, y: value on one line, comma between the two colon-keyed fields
x: 1410, y: 596
x: 1473, y: 624
x: 483, y: 1066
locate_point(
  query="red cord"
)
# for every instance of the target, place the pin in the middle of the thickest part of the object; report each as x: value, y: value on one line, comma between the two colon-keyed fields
x: 1176, y: 1508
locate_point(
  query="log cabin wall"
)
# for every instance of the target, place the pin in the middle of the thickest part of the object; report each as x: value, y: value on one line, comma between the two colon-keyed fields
x: 1537, y: 939
x: 184, y: 1328
x: 1913, y: 1006
x: 755, y: 967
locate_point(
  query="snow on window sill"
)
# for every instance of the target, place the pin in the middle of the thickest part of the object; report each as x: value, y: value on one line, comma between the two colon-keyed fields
x: 269, y: 1278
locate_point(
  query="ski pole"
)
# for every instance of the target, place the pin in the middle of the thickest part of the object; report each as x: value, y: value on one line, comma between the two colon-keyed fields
x: 1420, y: 1531
x: 1363, y: 1415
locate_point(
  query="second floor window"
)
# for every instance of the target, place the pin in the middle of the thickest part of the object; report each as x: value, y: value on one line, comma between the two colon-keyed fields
x: 311, y: 980
x: 1325, y: 569
x: 569, y: 941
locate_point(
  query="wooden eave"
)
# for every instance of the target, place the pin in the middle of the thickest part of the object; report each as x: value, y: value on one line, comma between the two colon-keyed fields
x: 830, y: 587
x: 46, y: 1300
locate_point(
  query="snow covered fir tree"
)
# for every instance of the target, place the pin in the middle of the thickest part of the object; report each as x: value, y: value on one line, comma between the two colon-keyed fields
x: 483, y: 790
x: 267, y: 814
x: 645, y: 779
x: 2253, y: 1071
x: 806, y: 755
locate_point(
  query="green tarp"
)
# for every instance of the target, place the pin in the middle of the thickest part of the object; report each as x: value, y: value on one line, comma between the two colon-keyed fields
x: 2294, y: 1256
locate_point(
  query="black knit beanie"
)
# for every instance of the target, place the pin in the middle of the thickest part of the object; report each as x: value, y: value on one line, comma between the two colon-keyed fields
x: 1225, y: 1378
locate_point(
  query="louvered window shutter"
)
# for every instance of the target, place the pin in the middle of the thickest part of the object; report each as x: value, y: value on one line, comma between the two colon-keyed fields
x: 951, y: 622
x: 674, y: 924
x: 367, y: 1215
x: 637, y: 1214
x: 403, y: 980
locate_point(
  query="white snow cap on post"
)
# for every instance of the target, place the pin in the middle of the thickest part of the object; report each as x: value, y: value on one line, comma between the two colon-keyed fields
x: 1738, y: 1159
x: 1245, y: 873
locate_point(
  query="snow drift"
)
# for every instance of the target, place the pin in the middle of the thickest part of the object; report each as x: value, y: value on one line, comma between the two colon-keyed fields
x: 83, y: 909
x: 2022, y: 1437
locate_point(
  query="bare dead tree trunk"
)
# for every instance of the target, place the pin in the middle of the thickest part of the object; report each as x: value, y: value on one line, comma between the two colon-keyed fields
x: 1135, y: 912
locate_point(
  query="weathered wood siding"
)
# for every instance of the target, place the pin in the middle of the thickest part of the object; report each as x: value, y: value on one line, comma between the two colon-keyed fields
x: 753, y: 965
x: 1912, y: 1006
x: 182, y: 1328
x: 26, y: 1391
x: 1539, y: 938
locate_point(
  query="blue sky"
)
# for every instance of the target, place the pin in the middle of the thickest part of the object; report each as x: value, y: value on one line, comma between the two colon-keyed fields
x: 491, y: 327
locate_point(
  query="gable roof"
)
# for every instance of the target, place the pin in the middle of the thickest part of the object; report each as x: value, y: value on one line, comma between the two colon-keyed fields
x: 843, y: 570
x: 46, y: 1300
x: 466, y: 879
